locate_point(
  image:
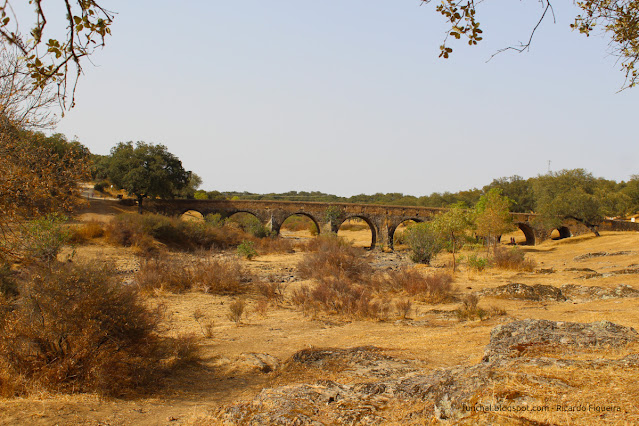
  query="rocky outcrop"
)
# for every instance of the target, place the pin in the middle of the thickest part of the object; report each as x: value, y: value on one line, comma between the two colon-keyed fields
x: 444, y: 394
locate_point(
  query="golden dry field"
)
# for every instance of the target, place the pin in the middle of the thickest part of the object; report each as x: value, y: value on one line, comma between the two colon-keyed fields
x: 541, y: 382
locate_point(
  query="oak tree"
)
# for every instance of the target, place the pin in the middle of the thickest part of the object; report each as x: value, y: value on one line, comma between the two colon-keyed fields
x: 146, y: 170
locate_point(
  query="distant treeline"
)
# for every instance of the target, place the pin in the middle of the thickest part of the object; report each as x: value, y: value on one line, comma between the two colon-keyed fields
x: 613, y: 198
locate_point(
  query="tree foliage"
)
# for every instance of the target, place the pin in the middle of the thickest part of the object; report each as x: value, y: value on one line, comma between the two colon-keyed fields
x: 452, y: 226
x: 38, y: 175
x: 617, y: 18
x: 568, y: 194
x: 146, y: 170
x: 56, y: 62
x: 492, y: 215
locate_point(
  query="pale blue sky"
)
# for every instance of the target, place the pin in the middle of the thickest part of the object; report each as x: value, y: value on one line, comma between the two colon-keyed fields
x: 349, y: 97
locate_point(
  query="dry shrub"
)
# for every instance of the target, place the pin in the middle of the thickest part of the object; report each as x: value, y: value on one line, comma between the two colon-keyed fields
x: 176, y: 275
x: 236, y: 310
x: 512, y: 258
x: 333, y: 257
x: 206, y: 324
x: 272, y: 290
x: 163, y: 273
x: 469, y: 310
x: 86, y: 232
x: 261, y: 307
x: 273, y: 245
x: 403, y: 308
x: 128, y: 229
x: 341, y: 297
x: 435, y: 288
x: 74, y: 329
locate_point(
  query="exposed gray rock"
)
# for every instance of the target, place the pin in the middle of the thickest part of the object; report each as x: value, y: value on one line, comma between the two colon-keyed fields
x: 579, y: 293
x: 510, y: 340
x: 601, y: 254
x: 536, y: 292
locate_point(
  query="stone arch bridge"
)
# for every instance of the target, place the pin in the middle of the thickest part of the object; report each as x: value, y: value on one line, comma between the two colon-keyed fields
x: 383, y: 220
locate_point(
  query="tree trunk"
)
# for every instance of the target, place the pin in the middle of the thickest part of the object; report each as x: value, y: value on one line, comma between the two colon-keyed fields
x: 140, y: 198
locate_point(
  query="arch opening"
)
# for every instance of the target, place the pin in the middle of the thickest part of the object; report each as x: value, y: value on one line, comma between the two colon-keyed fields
x: 560, y: 233
x: 192, y: 216
x: 522, y: 236
x: 249, y: 223
x: 299, y: 226
x: 359, y: 231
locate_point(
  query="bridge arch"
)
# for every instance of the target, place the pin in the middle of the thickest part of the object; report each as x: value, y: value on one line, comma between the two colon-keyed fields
x: 560, y: 233
x: 191, y: 215
x: 301, y: 213
x: 528, y: 231
x: 368, y: 221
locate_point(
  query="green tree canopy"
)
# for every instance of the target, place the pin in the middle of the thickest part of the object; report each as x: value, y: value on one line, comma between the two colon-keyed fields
x: 452, y: 226
x: 568, y: 194
x: 146, y: 170
x: 492, y: 215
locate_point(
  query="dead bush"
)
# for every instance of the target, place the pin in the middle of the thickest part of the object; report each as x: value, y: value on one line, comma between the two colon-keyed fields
x: 403, y: 307
x: 470, y: 310
x: 272, y: 290
x: 163, y: 273
x: 127, y: 229
x: 87, y: 231
x: 512, y: 258
x: 434, y: 288
x: 206, y: 324
x: 273, y: 245
x: 221, y: 276
x: 236, y: 310
x: 331, y: 257
x: 73, y: 328
x: 176, y: 275
x: 341, y: 297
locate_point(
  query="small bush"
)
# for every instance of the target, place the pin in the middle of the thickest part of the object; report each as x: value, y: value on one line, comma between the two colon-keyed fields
x: 75, y: 329
x: 403, y: 308
x: 40, y: 239
x: 273, y: 245
x: 434, y: 288
x: 246, y: 249
x: 424, y: 243
x: 273, y: 290
x: 206, y: 324
x: 236, y: 310
x: 512, y: 258
x: 477, y: 263
x: 86, y: 231
x: 175, y: 275
x: 469, y: 310
x: 332, y: 257
x: 341, y: 297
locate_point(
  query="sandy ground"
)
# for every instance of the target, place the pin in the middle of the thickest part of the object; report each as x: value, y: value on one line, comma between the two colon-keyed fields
x: 436, y: 341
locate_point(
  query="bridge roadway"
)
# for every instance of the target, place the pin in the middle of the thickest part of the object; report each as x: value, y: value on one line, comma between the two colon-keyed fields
x: 383, y: 220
